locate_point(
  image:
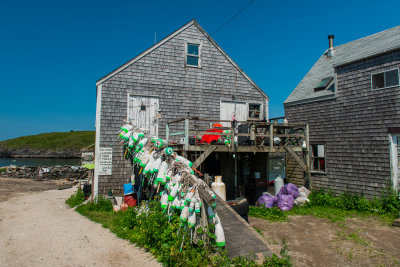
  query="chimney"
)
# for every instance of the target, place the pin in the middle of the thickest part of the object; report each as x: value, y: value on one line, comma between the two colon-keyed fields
x: 330, y: 51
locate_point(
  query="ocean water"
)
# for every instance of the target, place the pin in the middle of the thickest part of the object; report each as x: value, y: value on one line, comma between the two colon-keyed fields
x: 38, y: 162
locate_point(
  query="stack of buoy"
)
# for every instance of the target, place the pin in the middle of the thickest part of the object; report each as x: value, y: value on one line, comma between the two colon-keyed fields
x: 172, y: 176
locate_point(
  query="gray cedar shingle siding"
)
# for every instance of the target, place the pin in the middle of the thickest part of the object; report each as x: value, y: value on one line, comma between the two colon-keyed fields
x: 368, y: 46
x: 180, y: 89
x: 354, y: 127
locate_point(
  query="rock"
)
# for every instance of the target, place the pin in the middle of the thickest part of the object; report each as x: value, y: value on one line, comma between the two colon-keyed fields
x: 396, y: 222
x: 53, y: 173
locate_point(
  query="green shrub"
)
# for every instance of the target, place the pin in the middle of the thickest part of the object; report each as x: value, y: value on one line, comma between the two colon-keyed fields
x: 100, y: 204
x: 386, y: 204
x: 76, y: 199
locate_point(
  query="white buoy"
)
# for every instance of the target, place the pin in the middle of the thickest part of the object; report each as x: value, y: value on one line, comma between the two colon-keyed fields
x: 164, y: 200
x: 184, y: 160
x: 161, y: 175
x: 192, y: 219
x: 184, y: 214
x: 219, y: 232
x: 174, y: 192
x: 176, y: 203
x: 156, y: 165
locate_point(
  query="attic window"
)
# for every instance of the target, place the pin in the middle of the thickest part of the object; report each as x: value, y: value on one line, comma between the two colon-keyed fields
x: 193, y: 55
x: 254, y: 111
x: 322, y: 85
x: 385, y: 79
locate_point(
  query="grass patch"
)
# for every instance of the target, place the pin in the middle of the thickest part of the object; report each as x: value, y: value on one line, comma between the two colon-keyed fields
x: 148, y: 227
x: 354, y: 237
x: 324, y: 205
x: 76, y: 199
x: 52, y: 141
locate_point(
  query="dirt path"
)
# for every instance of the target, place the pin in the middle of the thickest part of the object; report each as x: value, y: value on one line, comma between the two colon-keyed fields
x: 320, y: 242
x: 37, y: 229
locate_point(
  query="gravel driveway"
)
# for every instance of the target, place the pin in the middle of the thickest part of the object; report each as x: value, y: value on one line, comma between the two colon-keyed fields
x: 38, y: 229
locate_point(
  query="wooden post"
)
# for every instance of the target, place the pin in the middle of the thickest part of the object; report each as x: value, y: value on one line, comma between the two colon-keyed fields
x: 308, y: 146
x: 271, y: 136
x: 167, y: 132
x: 308, y: 179
x: 186, y: 134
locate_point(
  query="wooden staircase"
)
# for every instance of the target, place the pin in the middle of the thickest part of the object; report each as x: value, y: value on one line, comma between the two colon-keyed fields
x: 204, y: 155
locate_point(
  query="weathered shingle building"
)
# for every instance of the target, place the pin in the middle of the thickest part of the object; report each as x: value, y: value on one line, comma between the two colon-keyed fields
x: 185, y: 73
x: 351, y: 100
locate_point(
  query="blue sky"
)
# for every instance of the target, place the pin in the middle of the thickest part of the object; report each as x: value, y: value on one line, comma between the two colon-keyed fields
x: 52, y: 52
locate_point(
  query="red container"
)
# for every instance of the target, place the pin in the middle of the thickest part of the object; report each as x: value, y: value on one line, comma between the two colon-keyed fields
x: 131, y: 200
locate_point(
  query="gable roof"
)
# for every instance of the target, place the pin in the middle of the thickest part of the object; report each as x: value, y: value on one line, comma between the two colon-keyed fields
x: 169, y: 37
x: 372, y: 45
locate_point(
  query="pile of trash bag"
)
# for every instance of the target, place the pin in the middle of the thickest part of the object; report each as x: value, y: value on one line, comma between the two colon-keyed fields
x: 288, y: 196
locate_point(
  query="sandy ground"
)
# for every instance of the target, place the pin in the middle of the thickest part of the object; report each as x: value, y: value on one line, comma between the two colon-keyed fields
x: 38, y: 229
x: 320, y: 242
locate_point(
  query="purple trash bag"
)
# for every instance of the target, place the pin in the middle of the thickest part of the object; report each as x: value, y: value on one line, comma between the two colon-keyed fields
x: 285, y: 202
x: 289, y: 189
x: 267, y: 201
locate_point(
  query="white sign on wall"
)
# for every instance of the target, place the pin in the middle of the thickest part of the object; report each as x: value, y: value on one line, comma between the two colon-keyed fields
x: 105, y: 162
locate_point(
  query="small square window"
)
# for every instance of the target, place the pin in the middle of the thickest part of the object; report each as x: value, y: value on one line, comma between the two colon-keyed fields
x: 193, y: 55
x: 254, y: 111
x: 385, y: 79
x: 318, y: 158
x: 143, y: 107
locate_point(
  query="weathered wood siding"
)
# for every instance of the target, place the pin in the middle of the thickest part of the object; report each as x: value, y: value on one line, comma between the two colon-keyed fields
x: 354, y: 128
x: 180, y: 89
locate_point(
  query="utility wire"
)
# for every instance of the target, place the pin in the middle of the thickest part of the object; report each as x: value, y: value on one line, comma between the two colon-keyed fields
x: 234, y: 16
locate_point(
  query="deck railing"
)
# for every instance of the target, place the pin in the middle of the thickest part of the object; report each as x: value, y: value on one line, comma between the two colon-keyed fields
x: 259, y: 136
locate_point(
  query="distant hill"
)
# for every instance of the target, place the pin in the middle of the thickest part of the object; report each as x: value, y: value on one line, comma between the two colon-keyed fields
x: 59, y: 144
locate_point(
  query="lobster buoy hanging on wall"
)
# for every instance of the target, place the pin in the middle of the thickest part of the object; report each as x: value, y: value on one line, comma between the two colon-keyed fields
x: 219, y: 232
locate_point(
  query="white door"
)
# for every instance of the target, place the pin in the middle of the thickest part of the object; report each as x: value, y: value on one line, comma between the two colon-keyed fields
x: 142, y: 112
x: 227, y: 109
x: 395, y: 160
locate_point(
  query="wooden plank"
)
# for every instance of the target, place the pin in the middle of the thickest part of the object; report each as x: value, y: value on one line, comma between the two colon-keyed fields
x: 177, y: 133
x: 297, y: 158
x: 186, y: 134
x: 204, y: 155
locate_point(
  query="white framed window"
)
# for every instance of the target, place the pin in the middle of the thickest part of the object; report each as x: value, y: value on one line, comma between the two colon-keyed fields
x: 385, y: 79
x: 318, y: 156
x: 193, y: 55
x: 255, y: 111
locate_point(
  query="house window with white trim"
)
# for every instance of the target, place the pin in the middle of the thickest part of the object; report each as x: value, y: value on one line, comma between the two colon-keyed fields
x: 385, y: 79
x: 254, y: 111
x: 318, y: 158
x: 193, y: 55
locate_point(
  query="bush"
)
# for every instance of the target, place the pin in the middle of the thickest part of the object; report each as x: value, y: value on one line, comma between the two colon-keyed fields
x: 100, y: 204
x: 386, y: 204
x: 76, y: 199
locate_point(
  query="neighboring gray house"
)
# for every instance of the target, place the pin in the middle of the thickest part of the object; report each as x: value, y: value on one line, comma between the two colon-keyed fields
x: 185, y: 73
x: 351, y: 100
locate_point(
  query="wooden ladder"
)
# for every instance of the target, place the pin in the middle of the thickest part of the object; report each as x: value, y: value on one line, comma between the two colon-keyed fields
x: 204, y: 155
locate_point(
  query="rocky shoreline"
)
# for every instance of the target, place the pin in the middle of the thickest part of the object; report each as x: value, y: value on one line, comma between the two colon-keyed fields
x: 45, y: 173
x: 39, y: 153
